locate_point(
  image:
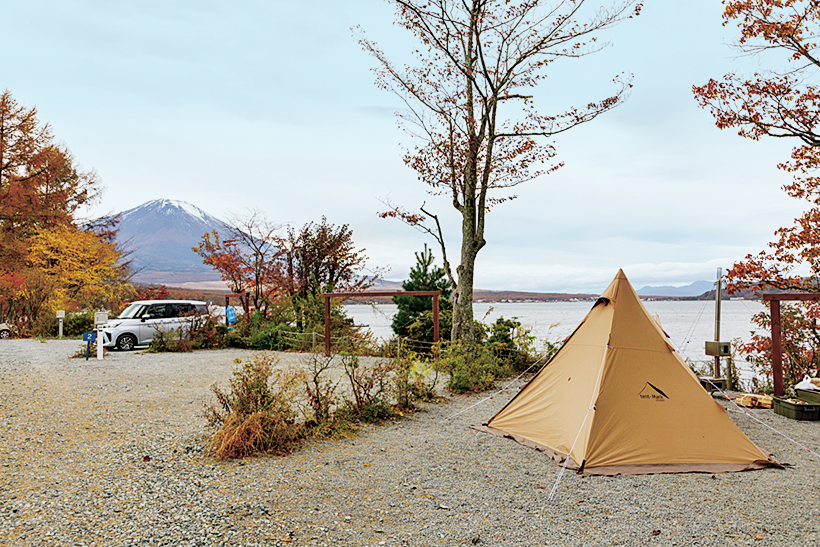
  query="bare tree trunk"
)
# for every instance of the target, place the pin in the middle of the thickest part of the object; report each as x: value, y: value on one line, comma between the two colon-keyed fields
x: 463, y: 301
x: 472, y: 241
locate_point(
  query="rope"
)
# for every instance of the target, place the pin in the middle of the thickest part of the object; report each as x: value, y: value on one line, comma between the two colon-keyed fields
x: 499, y: 392
x: 688, y: 337
x: 591, y: 407
x: 749, y: 414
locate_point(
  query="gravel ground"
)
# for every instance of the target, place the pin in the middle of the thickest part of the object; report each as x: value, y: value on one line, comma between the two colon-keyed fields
x: 110, y: 453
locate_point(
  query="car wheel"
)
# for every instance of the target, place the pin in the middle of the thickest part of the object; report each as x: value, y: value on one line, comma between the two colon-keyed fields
x: 5, y: 333
x: 126, y: 342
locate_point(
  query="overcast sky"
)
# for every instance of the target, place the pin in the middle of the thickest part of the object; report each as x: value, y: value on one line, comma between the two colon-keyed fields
x: 270, y: 104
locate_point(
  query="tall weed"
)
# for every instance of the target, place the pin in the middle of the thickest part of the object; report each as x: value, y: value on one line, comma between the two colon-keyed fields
x: 258, y: 413
x: 369, y: 387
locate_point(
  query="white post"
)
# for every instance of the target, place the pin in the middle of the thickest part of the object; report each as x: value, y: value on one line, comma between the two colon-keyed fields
x: 100, y: 341
x: 60, y: 315
x: 100, y: 319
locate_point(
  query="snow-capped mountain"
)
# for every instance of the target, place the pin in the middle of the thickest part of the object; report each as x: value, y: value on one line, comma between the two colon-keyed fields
x: 160, y: 235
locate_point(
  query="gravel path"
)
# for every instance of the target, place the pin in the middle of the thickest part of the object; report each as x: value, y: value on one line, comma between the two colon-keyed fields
x: 109, y: 453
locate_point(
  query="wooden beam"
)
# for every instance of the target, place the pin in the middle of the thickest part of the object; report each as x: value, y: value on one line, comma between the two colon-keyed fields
x: 777, y: 351
x: 774, y: 297
x: 366, y: 294
x: 327, y: 324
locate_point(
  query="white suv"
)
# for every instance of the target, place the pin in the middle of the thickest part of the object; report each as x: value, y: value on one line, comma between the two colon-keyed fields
x: 138, y: 323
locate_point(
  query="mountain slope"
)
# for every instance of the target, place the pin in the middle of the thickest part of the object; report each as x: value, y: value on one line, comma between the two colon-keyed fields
x: 693, y: 289
x: 160, y: 235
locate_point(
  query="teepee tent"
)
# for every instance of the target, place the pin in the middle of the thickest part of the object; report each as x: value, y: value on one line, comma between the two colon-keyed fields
x: 618, y: 399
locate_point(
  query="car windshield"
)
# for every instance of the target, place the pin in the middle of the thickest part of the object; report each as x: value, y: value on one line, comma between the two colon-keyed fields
x: 132, y: 311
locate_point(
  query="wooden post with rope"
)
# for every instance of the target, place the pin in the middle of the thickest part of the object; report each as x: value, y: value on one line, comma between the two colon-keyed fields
x: 368, y: 294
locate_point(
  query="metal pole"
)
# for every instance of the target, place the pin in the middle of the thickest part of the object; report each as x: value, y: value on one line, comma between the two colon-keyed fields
x: 60, y: 328
x: 717, y: 318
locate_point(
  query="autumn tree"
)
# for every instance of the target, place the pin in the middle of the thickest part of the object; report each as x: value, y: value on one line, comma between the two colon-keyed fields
x: 45, y: 258
x: 470, y: 105
x: 40, y: 183
x: 299, y: 264
x: 66, y: 264
x: 319, y: 258
x: 780, y: 102
x: 225, y: 257
x: 248, y: 260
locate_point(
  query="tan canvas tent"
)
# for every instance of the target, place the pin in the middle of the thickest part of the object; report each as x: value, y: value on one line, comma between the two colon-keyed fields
x: 618, y: 399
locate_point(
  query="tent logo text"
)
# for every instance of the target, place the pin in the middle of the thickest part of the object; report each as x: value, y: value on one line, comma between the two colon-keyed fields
x: 651, y: 393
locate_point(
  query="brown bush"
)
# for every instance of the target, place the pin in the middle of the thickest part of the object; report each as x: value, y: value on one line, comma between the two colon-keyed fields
x: 257, y: 414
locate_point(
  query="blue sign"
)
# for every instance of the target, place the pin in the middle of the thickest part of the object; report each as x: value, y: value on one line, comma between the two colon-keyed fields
x: 230, y: 314
x: 89, y: 337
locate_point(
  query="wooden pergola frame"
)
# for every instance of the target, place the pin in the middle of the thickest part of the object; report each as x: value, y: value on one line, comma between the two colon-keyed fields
x: 777, y: 333
x: 327, y: 296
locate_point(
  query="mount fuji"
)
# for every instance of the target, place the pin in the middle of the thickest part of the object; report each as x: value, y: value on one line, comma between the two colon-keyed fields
x: 159, y: 234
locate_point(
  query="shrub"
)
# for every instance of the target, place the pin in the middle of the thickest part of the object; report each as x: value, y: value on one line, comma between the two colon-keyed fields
x: 320, y: 390
x: 366, y: 384
x: 376, y: 410
x: 511, y: 343
x: 257, y: 414
x: 269, y: 336
x: 472, y: 367
x: 76, y: 324
x: 410, y: 380
x: 181, y: 345
x: 170, y: 342
x: 206, y: 333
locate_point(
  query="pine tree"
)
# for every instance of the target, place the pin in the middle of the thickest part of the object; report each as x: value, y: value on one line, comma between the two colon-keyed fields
x: 424, y: 276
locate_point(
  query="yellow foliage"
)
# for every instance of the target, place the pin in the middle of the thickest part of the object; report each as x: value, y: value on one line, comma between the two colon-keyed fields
x: 65, y: 263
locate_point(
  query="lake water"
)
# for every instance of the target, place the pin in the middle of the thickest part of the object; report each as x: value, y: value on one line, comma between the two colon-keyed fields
x: 688, y: 323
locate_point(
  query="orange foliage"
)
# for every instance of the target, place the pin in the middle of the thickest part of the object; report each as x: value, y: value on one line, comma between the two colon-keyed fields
x: 782, y: 103
x: 44, y: 258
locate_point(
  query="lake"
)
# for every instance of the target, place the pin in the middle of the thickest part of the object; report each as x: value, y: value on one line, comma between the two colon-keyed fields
x: 688, y: 323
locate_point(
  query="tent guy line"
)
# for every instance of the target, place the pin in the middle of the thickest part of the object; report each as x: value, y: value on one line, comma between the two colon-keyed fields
x: 745, y: 412
x: 499, y: 392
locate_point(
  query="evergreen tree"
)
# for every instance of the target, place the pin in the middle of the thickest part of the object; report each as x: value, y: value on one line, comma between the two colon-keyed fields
x: 424, y: 276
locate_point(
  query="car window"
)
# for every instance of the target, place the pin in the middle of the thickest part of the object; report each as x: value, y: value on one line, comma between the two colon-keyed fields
x: 178, y: 310
x: 154, y: 311
x: 132, y: 311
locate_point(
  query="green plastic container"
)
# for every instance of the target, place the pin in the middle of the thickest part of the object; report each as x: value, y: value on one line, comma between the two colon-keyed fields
x: 808, y: 395
x: 796, y: 411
